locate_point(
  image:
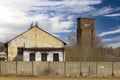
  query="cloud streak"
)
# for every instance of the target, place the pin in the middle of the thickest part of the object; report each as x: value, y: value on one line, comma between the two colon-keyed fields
x: 109, y: 33
x: 111, y: 39
x: 53, y: 16
x: 113, y: 15
x: 102, y: 11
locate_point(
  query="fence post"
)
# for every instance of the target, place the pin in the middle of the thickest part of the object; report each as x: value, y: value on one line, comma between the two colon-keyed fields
x: 49, y: 65
x: 65, y: 68
x: 97, y: 68
x: 0, y: 67
x: 80, y: 68
x: 112, y: 69
x: 16, y: 67
x: 32, y: 68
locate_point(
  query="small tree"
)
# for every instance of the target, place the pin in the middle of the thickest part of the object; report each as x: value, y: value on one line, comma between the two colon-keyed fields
x: 72, y: 39
x: 75, y: 52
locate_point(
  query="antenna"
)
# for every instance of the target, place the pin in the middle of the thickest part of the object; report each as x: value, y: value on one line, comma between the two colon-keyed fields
x: 36, y: 24
x: 31, y: 25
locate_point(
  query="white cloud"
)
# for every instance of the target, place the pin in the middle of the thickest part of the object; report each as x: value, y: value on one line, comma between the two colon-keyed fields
x: 68, y: 5
x: 112, y: 39
x: 113, y: 15
x: 53, y: 16
x: 114, y: 45
x: 103, y: 11
x: 7, y: 36
x: 111, y: 42
x: 109, y: 32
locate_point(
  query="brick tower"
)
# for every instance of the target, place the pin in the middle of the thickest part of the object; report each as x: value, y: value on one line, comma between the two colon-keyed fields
x: 86, y: 34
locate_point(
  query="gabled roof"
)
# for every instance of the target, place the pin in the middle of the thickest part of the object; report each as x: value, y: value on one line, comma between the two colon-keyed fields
x: 38, y: 28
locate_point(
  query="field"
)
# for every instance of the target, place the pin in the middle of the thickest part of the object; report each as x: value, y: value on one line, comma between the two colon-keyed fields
x: 52, y: 78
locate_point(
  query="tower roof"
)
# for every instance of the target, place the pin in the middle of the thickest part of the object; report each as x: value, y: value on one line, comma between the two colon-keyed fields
x: 84, y: 18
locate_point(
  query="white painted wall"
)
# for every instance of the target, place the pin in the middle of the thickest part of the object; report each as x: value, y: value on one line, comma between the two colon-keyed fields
x: 38, y: 56
x: 26, y: 55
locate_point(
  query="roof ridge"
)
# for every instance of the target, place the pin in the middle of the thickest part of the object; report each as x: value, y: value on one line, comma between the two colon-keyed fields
x: 38, y: 28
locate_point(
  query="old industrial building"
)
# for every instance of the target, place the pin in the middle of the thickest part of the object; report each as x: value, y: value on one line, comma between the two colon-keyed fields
x: 35, y: 44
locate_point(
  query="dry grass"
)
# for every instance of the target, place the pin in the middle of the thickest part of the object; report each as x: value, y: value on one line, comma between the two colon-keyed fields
x: 52, y: 78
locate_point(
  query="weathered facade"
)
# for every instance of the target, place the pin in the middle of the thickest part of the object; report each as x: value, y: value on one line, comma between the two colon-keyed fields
x: 85, y: 32
x: 86, y: 37
x: 36, y: 44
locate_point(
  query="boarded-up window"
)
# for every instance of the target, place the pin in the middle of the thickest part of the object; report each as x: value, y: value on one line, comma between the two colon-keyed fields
x: 55, y: 57
x: 43, y: 56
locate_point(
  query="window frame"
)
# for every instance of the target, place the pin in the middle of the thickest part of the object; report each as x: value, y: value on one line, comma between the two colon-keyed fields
x: 44, y: 56
x: 56, y: 58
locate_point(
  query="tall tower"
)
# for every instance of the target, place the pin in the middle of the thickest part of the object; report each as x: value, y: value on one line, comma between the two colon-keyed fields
x: 86, y: 35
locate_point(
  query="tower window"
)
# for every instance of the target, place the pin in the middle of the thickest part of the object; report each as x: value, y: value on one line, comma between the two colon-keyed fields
x: 86, y: 24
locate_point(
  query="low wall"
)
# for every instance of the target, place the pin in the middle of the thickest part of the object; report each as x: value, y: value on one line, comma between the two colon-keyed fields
x: 40, y: 68
x: 24, y: 68
x: 72, y: 68
x: 104, y: 69
x: 75, y: 69
x: 8, y: 68
x: 57, y: 68
x: 88, y: 68
x: 116, y: 69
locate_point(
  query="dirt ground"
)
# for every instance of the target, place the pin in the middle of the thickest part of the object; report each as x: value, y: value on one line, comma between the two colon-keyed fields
x: 51, y: 78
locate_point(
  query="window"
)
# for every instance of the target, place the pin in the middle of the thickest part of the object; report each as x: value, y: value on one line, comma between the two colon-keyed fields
x: 32, y: 56
x: 43, y: 56
x: 86, y: 24
x: 55, y: 57
x: 19, y: 56
x: 20, y: 51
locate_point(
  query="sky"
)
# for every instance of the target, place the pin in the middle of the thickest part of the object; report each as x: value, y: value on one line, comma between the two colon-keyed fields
x: 58, y: 17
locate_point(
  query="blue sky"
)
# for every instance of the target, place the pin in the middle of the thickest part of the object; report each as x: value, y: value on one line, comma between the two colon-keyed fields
x: 58, y: 17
